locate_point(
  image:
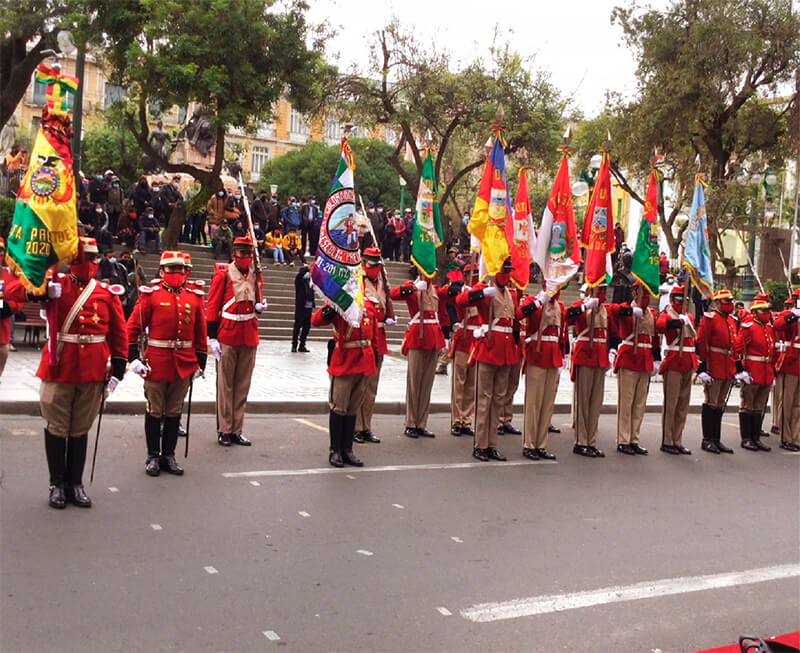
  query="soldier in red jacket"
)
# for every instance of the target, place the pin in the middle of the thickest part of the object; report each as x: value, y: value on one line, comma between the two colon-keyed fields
x: 495, y: 353
x: 462, y: 339
x: 505, y: 427
x: 677, y: 368
x: 376, y: 293
x: 780, y: 347
x: 91, y: 329
x: 175, y: 355
x: 351, y: 361
x: 544, y: 349
x: 589, y: 365
x: 788, y: 373
x: 716, y: 368
x: 421, y: 343
x: 635, y: 358
x: 234, y: 301
x: 755, y: 351
x: 12, y: 297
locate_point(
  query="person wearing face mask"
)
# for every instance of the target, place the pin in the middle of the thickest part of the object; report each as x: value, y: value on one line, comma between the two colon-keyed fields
x: 98, y: 189
x: 635, y: 357
x: 234, y: 301
x: 149, y: 229
x: 716, y: 369
x: 258, y: 209
x: 589, y: 365
x: 274, y: 214
x: 309, y: 216
x: 290, y: 216
x: 755, y: 352
x: 174, y: 357
x: 462, y: 386
x: 463, y: 234
x: 12, y: 297
x: 91, y: 328
x: 677, y: 368
x: 215, y: 209
x: 114, y: 204
x: 495, y: 354
x: 303, y: 308
x: 787, y: 328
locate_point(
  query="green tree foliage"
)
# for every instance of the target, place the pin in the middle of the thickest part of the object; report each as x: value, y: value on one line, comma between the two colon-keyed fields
x: 108, y: 146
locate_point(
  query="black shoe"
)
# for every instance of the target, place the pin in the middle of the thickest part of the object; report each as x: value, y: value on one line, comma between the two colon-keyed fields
x: 358, y: 436
x: 511, y: 430
x: 553, y: 429
x: 169, y: 465
x: 455, y: 430
x: 411, y: 432
x: 304, y: 349
x: 224, y: 439
x: 763, y: 434
x: 349, y: 458
x: 530, y: 453
x: 749, y: 445
x: 710, y: 446
x: 467, y: 430
x: 57, y: 498
x: 294, y: 349
x: 238, y: 438
x: 181, y: 431
x: 723, y: 448
x: 494, y: 454
x: 335, y: 459
x: 775, y: 430
x: 597, y: 453
x: 151, y: 466
x: 789, y: 446
x: 626, y: 449
x: 583, y: 450
x: 425, y: 433
x: 369, y: 436
x: 480, y: 454
x: 545, y: 454
x: 668, y: 448
x: 77, y: 496
x: 761, y: 446
x: 683, y: 450
x: 637, y: 448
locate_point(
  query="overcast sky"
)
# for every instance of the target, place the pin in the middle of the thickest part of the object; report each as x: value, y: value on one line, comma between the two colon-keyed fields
x: 572, y: 39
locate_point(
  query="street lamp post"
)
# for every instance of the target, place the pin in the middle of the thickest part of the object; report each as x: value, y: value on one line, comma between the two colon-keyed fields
x: 402, y: 193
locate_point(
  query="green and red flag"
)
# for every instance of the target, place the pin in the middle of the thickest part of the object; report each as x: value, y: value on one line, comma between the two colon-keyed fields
x: 645, y: 256
x: 426, y: 235
x: 597, y: 236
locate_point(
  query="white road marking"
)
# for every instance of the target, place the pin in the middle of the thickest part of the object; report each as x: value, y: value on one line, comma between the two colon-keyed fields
x: 351, y: 477
x: 271, y: 635
x: 113, y: 489
x: 364, y: 552
x: 458, y: 540
x: 22, y: 432
x: 444, y: 611
x: 303, y: 513
x: 156, y: 527
x: 310, y: 424
x: 398, y: 506
x: 255, y: 483
x: 385, y: 468
x: 526, y: 607
x: 210, y: 570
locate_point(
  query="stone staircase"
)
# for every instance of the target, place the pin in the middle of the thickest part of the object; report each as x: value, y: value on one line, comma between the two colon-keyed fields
x: 276, y: 323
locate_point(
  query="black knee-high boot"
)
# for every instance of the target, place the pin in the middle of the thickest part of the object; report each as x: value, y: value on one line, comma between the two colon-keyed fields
x: 707, y: 421
x: 718, y: 414
x: 152, y: 433
x: 55, y: 449
x: 755, y: 426
x: 348, y: 457
x: 335, y: 426
x: 746, y: 429
x: 168, y: 442
x: 76, y: 459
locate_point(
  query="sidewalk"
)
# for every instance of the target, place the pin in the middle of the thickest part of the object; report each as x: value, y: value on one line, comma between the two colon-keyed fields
x: 292, y: 383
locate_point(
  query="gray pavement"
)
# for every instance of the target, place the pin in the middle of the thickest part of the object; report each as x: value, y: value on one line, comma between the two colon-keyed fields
x: 394, y: 557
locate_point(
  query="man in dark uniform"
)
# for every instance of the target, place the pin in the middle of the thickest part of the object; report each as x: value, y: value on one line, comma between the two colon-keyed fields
x: 303, y: 308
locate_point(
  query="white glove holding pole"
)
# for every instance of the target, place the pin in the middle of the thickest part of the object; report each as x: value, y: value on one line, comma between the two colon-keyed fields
x: 656, y: 366
x: 743, y: 377
x: 112, y: 384
x: 138, y: 367
x: 53, y: 289
x: 197, y: 372
x: 684, y: 319
x: 637, y: 312
x: 796, y: 312
x: 612, y: 356
x: 592, y: 302
x: 390, y: 321
x: 260, y: 307
x: 421, y: 285
x: 704, y: 378
x: 489, y: 291
x: 542, y: 298
x: 215, y: 347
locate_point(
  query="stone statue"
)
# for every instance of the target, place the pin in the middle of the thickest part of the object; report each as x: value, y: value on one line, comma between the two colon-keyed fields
x: 161, y: 138
x: 198, y: 132
x: 8, y: 135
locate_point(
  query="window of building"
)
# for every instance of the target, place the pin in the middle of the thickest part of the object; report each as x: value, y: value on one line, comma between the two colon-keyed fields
x: 298, y: 125
x: 331, y: 130
x: 258, y: 157
x: 113, y: 93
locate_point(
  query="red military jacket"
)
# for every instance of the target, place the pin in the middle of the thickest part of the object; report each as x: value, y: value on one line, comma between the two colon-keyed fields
x: 353, y: 352
x: 715, y: 340
x: 12, y: 297
x: 639, y: 359
x: 463, y: 334
x: 595, y: 355
x: 431, y: 336
x: 787, y: 329
x: 497, y: 346
x: 547, y: 333
x: 97, y: 331
x: 755, y: 345
x: 375, y: 294
x: 176, y: 330
x: 231, y: 322
x: 670, y: 324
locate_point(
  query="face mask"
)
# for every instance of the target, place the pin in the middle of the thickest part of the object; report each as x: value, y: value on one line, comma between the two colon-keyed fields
x: 502, y: 278
x: 113, y: 259
x: 466, y: 218
x: 98, y: 210
x: 372, y: 272
x: 274, y: 201
x: 294, y: 204
x: 83, y: 271
x: 220, y: 194
x: 238, y: 197
x: 115, y: 185
x: 677, y: 305
x: 174, y: 279
x: 763, y: 316
x: 726, y: 309
x: 99, y: 178
x: 644, y: 300
x: 313, y: 202
x: 243, y: 262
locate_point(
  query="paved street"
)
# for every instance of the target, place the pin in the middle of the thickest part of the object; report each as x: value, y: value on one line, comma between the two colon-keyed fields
x: 397, y: 557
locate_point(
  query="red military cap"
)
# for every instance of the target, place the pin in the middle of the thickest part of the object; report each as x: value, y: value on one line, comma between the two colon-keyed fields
x: 759, y: 305
x: 677, y: 289
x: 372, y: 253
x: 243, y: 241
x: 172, y: 257
x: 722, y: 293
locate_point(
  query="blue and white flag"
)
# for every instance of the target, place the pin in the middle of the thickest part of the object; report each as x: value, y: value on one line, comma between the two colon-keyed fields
x: 696, y: 254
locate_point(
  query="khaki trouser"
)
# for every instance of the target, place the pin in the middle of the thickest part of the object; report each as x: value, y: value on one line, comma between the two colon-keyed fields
x: 365, y: 410
x: 541, y: 384
x: 716, y: 392
x: 165, y: 398
x: 632, y: 399
x: 790, y: 422
x: 462, y: 388
x: 589, y: 388
x: 492, y: 385
x: 347, y: 393
x: 3, y: 357
x: 753, y: 398
x: 234, y: 373
x: 777, y: 401
x: 70, y: 408
x: 507, y: 414
x: 419, y: 382
x: 677, y: 393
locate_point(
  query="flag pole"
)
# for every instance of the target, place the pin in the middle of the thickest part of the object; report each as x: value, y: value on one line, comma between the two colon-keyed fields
x: 591, y: 317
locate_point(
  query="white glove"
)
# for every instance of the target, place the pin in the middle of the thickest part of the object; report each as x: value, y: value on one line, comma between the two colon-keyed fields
x: 685, y: 319
x: 781, y: 346
x: 559, y: 371
x: 796, y: 312
x: 704, y: 378
x: 215, y: 347
x: 743, y: 377
x: 637, y: 312
x: 612, y: 356
x: 542, y: 297
x: 138, y: 367
x: 591, y: 303
x: 260, y: 307
x: 489, y: 291
x: 390, y: 321
x: 421, y: 284
x: 112, y: 384
x: 53, y: 289
x: 197, y: 372
x: 656, y: 366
